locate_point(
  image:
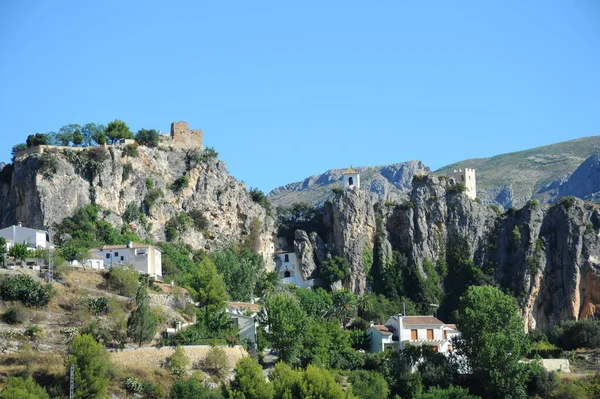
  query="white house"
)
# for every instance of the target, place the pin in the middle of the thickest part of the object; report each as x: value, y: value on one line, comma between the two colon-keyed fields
x: 143, y: 257
x: 289, y: 270
x: 32, y: 237
x: 467, y: 177
x: 400, y: 331
x: 244, y: 314
x: 95, y: 262
x: 351, y: 179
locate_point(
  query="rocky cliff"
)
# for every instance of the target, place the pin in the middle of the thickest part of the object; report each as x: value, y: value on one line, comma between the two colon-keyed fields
x: 547, y: 256
x: 158, y: 184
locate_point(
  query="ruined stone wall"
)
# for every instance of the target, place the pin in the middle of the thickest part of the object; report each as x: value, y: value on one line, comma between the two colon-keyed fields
x: 183, y: 137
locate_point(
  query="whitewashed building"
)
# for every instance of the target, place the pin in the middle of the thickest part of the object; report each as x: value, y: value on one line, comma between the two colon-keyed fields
x: 33, y: 238
x: 142, y: 257
x: 351, y: 179
x: 400, y: 331
x: 289, y: 270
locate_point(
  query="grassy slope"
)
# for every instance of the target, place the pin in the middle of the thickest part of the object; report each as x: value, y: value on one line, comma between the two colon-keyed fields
x: 526, y: 171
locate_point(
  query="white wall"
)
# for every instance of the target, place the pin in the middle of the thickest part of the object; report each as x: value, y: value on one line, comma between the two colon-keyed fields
x: 292, y: 266
x: 32, y: 237
x: 355, y: 181
x: 146, y: 260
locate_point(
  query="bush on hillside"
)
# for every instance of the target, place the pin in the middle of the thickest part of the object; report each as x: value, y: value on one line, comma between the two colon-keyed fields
x: 25, y: 289
x: 15, y: 315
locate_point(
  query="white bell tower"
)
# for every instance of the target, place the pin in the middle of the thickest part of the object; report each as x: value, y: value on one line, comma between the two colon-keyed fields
x: 351, y: 179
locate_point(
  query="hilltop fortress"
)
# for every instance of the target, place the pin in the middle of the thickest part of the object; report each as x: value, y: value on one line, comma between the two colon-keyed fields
x: 182, y: 136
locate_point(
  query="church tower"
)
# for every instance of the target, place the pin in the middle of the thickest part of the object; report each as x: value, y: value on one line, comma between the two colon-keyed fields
x: 351, y: 179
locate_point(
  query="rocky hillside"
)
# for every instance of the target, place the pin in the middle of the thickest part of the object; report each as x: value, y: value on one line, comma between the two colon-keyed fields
x: 548, y: 256
x: 381, y: 182
x: 512, y: 179
x: 150, y: 189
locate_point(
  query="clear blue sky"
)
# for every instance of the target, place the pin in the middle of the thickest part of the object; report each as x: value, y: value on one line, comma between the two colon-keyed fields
x: 283, y: 92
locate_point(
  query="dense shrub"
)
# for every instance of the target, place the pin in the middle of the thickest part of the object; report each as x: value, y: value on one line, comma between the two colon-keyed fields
x: 133, y: 385
x: 132, y: 213
x: 123, y: 280
x: 131, y: 150
x: 127, y: 168
x: 149, y: 183
x: 147, y: 137
x: 25, y: 289
x: 151, y: 197
x: 260, y: 198
x: 456, y: 188
x: 334, y: 270
x: 578, y: 334
x: 177, y: 225
x: 200, y: 221
x: 99, y: 306
x: 180, y: 184
x: 15, y: 315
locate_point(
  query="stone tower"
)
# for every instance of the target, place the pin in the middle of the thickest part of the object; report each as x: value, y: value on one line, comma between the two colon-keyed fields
x: 183, y: 137
x: 467, y: 177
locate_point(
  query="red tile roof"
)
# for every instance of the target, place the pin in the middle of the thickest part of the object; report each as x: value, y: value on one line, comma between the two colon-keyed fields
x: 252, y: 307
x: 421, y: 320
x: 384, y: 330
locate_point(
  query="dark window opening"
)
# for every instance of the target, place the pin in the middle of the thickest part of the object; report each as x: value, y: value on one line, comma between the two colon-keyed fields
x: 107, y: 256
x: 287, y: 274
x: 116, y: 254
x: 122, y: 258
x: 462, y: 177
x: 287, y: 258
x: 350, y: 181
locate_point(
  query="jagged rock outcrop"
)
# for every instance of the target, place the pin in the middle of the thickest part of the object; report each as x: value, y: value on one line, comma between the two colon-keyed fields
x: 48, y: 187
x: 305, y: 254
x: 547, y: 256
x: 352, y: 221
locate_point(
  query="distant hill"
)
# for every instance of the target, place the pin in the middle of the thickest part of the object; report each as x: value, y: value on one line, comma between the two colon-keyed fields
x: 512, y: 179
x: 382, y: 182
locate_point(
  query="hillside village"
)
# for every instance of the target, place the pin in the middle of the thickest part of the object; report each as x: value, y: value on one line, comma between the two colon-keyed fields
x: 182, y: 279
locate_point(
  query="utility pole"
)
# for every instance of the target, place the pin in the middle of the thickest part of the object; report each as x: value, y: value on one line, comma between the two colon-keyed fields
x: 50, y: 263
x: 72, y: 382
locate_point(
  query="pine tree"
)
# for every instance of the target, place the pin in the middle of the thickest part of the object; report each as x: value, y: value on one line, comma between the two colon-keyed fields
x: 141, y: 325
x: 91, y: 366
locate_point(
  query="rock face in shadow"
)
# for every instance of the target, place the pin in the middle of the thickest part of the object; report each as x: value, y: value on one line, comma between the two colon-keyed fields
x: 584, y: 182
x: 48, y: 187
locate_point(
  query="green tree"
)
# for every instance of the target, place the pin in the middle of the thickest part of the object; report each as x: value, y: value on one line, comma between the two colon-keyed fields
x: 447, y: 393
x: 66, y: 134
x: 141, y: 325
x: 77, y: 138
x: 37, y: 139
x: 178, y: 362
x: 316, y: 303
x: 192, y: 389
x: 72, y: 250
x: 344, y: 306
x: 91, y: 367
x: 147, y: 137
x: 23, y: 388
x: 207, y: 286
x: 216, y: 362
x: 249, y: 382
x: 287, y: 322
x: 3, y: 251
x: 91, y: 133
x: 493, y: 341
x: 286, y: 381
x: 334, y: 270
x: 368, y: 384
x: 117, y: 130
x: 241, y: 269
x: 18, y: 252
x: 299, y: 216
x: 319, y: 383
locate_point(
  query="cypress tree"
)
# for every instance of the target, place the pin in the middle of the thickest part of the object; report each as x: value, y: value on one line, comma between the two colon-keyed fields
x: 141, y: 325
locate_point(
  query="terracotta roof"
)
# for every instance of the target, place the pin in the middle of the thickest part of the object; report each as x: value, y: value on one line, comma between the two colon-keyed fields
x: 451, y: 326
x: 350, y: 171
x: 384, y: 330
x: 252, y: 307
x: 420, y: 320
x: 109, y: 247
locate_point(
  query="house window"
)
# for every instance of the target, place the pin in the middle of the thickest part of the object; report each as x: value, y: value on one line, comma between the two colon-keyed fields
x: 287, y: 274
x: 413, y: 335
x: 116, y: 254
x: 429, y: 334
x: 287, y: 258
x: 107, y: 256
x: 350, y: 181
x: 462, y: 177
x: 122, y: 258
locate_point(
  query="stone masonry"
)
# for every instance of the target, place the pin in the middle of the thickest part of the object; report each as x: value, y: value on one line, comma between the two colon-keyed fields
x: 183, y: 137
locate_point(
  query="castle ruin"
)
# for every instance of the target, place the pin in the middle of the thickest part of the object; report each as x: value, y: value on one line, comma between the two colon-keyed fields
x: 183, y: 137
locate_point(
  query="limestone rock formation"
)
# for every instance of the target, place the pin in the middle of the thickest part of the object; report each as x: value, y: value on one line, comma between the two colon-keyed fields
x: 352, y: 222
x: 305, y: 254
x: 48, y: 187
x: 584, y: 182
